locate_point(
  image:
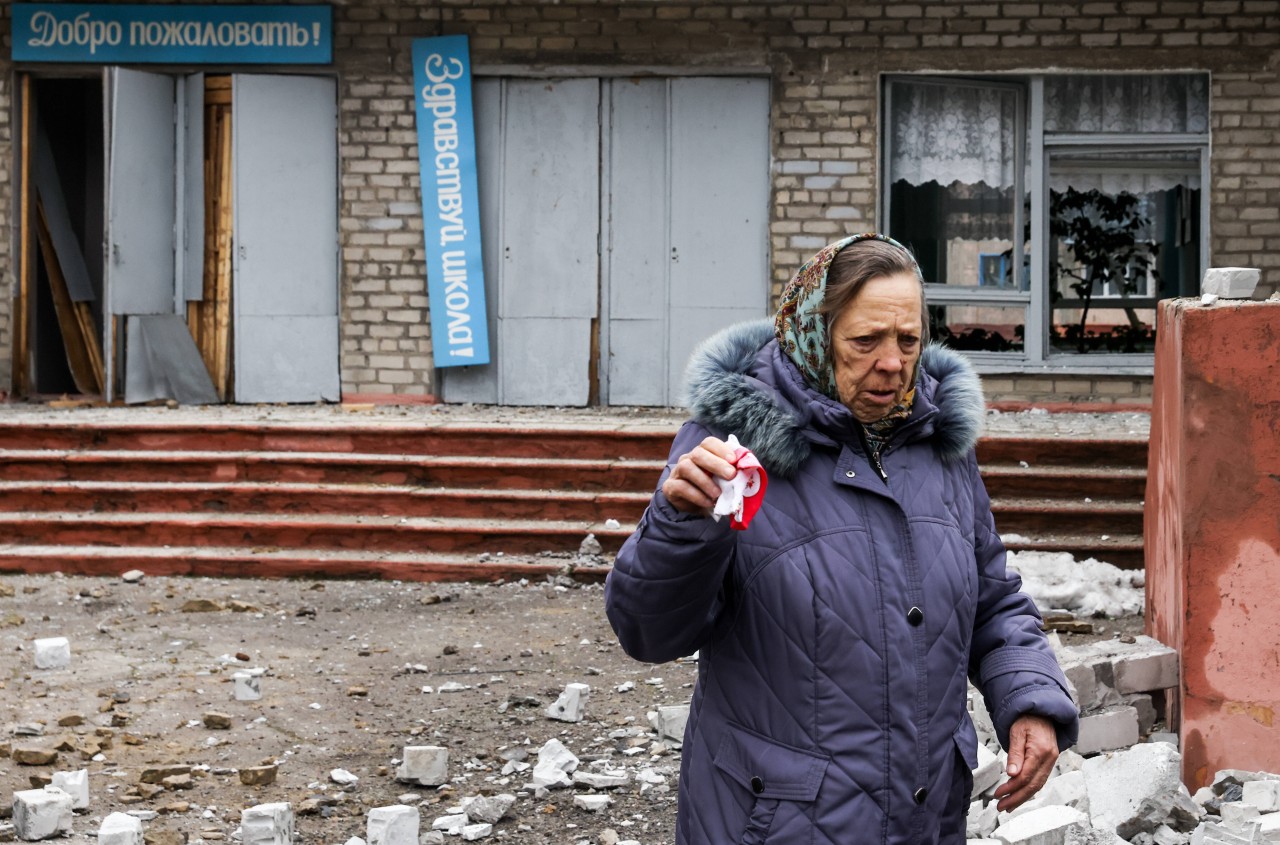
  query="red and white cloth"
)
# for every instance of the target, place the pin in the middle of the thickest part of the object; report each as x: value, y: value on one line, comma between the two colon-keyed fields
x: 742, y: 495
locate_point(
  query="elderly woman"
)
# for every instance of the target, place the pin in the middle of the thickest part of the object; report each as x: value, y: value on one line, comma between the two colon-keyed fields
x: 836, y: 633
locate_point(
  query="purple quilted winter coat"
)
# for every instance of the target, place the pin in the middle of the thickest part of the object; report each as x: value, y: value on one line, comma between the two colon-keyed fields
x: 836, y: 634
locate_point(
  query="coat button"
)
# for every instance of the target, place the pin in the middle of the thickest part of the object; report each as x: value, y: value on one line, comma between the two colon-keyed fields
x: 915, y: 616
x: 850, y: 474
x: 757, y: 785
x: 920, y: 794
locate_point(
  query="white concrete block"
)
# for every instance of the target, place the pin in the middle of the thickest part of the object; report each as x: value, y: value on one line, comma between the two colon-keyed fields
x: 120, y: 829
x: 1269, y: 827
x: 451, y: 824
x: 1236, y: 813
x: 472, y: 832
x: 571, y: 706
x: 1264, y: 794
x: 1069, y: 790
x: 267, y: 824
x: 990, y: 768
x: 981, y: 821
x: 602, y: 780
x: 53, y: 653
x: 669, y: 721
x: 427, y: 765
x: 1107, y: 731
x: 591, y: 803
x: 1146, y: 666
x: 41, y: 813
x: 1046, y: 826
x: 248, y: 686
x: 1118, y: 782
x: 1068, y: 761
x: 1231, y: 282
x: 75, y: 784
x: 555, y: 765
x: 395, y: 825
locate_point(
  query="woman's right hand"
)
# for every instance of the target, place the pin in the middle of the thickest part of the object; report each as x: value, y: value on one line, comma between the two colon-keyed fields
x: 691, y: 485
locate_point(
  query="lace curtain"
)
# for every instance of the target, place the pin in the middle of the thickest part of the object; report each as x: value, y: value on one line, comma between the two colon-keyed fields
x: 945, y: 133
x: 952, y: 133
x: 1134, y: 104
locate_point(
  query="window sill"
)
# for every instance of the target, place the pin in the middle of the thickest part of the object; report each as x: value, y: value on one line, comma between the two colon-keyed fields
x: 1065, y: 365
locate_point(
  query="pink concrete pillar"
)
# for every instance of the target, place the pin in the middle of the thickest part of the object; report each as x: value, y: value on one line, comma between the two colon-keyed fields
x: 1212, y: 529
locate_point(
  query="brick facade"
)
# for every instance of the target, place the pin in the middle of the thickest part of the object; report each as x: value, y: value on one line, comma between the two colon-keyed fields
x: 824, y: 60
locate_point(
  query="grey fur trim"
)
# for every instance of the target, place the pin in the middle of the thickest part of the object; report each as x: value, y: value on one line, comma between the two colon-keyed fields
x: 720, y: 397
x: 958, y: 398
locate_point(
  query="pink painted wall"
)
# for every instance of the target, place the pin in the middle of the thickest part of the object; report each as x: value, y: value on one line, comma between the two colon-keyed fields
x: 1212, y: 529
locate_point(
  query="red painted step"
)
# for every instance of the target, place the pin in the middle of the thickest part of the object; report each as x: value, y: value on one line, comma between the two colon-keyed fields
x: 159, y: 497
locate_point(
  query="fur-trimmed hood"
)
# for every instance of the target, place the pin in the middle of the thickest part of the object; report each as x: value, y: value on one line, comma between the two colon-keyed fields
x: 739, y: 382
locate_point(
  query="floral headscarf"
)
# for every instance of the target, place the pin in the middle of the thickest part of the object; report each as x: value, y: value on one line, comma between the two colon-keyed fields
x: 800, y: 326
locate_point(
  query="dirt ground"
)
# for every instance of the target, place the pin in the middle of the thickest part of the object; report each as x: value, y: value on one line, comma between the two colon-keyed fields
x: 347, y: 663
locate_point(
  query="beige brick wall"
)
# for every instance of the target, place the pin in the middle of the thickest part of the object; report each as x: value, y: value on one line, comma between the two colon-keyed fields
x: 825, y: 60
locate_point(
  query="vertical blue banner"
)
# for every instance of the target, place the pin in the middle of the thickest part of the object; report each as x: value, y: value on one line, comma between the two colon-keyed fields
x: 450, y: 200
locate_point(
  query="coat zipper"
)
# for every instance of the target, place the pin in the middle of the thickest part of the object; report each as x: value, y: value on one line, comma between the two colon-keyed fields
x: 873, y: 457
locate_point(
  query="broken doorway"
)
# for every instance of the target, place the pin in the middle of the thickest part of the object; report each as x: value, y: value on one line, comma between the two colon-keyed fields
x: 186, y: 246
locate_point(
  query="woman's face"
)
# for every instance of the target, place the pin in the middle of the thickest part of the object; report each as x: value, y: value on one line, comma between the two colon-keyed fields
x: 875, y: 344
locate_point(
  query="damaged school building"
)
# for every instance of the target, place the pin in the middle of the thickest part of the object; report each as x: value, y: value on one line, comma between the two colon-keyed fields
x: 224, y: 203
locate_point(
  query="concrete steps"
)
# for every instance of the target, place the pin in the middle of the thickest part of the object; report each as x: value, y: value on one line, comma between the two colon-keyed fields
x: 427, y: 501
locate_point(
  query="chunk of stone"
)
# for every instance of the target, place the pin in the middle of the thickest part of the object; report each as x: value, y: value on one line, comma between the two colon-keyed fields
x: 1118, y: 782
x: 159, y: 773
x: 571, y: 706
x: 488, y: 808
x: 427, y: 765
x: 1107, y: 731
x: 396, y: 825
x: 217, y: 721
x: 41, y: 813
x: 267, y: 824
x: 472, y: 832
x: 1263, y: 794
x: 248, y: 686
x: 670, y: 721
x: 258, y: 776
x: 120, y: 829
x: 1231, y: 282
x: 29, y: 755
x: 987, y: 774
x: 591, y: 803
x: 75, y: 784
x: 1046, y: 826
x: 1145, y: 666
x: 1236, y: 813
x: 555, y: 765
x: 53, y: 653
x: 133, y: 576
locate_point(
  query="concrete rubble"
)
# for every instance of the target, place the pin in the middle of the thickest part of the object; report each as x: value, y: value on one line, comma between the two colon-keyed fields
x: 396, y: 825
x: 53, y: 653
x: 571, y: 706
x: 41, y: 813
x: 120, y: 829
x: 267, y: 824
x: 427, y: 765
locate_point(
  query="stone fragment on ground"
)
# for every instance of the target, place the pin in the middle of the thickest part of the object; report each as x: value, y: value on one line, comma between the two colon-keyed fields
x: 571, y: 706
x: 53, y: 653
x: 396, y: 825
x: 41, y: 813
x: 267, y: 824
x: 120, y: 829
x: 555, y: 765
x: 426, y: 765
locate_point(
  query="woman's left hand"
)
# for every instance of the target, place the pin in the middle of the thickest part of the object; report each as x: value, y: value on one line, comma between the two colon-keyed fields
x: 1033, y: 749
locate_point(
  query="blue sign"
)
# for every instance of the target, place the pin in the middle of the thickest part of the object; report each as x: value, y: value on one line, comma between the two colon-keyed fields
x: 450, y: 200
x: 105, y: 33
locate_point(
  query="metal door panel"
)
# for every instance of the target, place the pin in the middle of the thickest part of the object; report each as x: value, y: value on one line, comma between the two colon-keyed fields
x: 719, y: 193
x: 285, y: 146
x: 551, y: 202
x: 691, y: 326
x: 286, y: 265
x: 638, y: 362
x: 191, y: 226
x: 139, y: 269
x: 546, y: 361
x: 293, y: 359
x: 637, y: 241
x: 480, y: 384
x: 635, y: 223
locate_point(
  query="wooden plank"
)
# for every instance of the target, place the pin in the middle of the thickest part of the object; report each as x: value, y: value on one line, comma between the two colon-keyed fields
x: 79, y: 358
x: 222, y: 289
